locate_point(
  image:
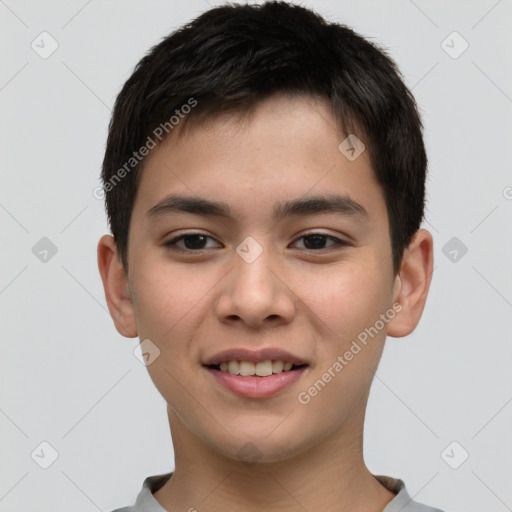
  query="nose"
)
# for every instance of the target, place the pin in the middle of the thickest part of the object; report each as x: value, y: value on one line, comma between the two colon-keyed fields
x: 255, y: 294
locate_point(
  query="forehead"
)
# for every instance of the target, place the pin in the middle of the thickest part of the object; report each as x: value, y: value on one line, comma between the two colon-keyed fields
x: 285, y: 149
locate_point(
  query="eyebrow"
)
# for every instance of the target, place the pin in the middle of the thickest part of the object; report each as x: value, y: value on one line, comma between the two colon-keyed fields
x: 312, y: 205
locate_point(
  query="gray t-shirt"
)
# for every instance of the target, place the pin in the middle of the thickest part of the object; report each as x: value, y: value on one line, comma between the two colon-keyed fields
x: 402, y: 502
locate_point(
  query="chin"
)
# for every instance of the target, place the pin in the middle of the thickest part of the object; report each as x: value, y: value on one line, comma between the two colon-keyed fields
x: 260, y: 448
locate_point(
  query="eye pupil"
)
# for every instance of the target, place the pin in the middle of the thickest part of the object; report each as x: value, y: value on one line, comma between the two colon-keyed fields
x: 197, y: 241
x: 318, y: 241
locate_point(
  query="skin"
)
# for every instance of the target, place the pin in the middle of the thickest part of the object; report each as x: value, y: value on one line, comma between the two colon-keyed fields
x: 310, y: 302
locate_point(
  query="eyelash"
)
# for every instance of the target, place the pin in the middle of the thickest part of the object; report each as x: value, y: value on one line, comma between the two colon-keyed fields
x: 171, y: 244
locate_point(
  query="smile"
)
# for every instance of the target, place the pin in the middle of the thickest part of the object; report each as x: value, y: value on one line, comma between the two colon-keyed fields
x: 250, y: 369
x: 249, y: 384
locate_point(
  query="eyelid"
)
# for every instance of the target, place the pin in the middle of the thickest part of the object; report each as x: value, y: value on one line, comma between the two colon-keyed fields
x: 317, y: 232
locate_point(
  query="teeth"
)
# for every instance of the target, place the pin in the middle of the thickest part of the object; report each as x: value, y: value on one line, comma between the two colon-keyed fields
x: 264, y: 369
x: 233, y: 367
x: 248, y: 369
x: 277, y: 366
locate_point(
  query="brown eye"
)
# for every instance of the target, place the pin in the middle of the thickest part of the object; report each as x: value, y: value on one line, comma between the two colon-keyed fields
x: 190, y: 242
x: 317, y: 241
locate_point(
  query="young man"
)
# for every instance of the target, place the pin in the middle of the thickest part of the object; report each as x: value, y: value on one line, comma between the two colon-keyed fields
x: 264, y: 178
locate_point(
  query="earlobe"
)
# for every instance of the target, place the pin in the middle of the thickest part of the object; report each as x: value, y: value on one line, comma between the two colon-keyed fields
x: 412, y: 284
x: 116, y: 289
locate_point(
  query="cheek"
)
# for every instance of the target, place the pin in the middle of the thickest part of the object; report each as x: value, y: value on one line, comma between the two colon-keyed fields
x: 166, y: 307
x: 348, y: 350
x: 348, y: 304
x: 345, y: 299
x: 166, y: 297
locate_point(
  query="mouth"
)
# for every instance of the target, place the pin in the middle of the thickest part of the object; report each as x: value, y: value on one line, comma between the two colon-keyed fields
x: 259, y: 380
x: 261, y: 369
x: 255, y: 373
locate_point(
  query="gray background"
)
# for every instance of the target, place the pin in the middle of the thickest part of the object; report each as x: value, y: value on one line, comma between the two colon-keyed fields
x: 69, y: 379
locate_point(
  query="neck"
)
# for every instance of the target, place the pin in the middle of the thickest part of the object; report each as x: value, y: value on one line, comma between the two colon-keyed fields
x: 329, y: 476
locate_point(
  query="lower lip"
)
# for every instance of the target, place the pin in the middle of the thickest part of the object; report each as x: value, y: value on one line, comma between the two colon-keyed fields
x: 257, y: 387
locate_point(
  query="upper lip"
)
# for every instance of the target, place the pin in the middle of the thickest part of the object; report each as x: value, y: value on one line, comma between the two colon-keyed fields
x: 254, y: 356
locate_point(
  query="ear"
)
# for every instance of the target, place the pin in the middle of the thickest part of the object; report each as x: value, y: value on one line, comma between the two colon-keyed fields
x: 115, y: 284
x: 412, y: 284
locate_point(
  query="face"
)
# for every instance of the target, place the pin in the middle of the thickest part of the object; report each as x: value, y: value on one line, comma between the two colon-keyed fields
x: 264, y: 274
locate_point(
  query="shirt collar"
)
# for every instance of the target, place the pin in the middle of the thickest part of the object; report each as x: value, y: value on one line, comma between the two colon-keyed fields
x: 402, y: 502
